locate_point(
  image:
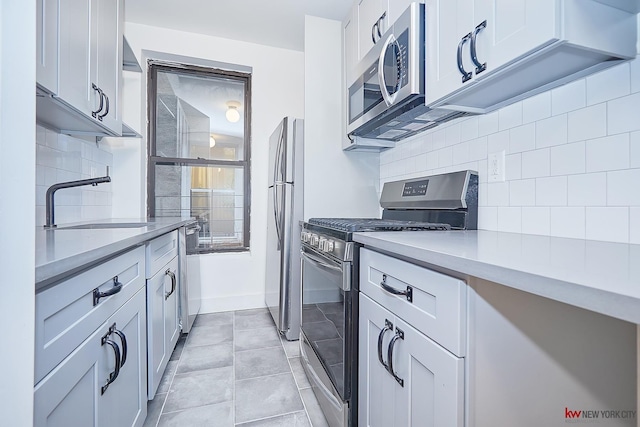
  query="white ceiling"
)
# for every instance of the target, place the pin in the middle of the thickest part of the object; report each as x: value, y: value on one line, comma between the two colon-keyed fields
x: 278, y: 23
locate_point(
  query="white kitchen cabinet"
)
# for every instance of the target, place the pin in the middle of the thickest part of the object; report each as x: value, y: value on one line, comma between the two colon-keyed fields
x: 350, y: 46
x: 422, y: 383
x: 372, y: 22
x: 412, y: 337
x: 524, y: 352
x: 47, y: 44
x: 484, y: 54
x: 80, y: 92
x: 76, y: 393
x: 163, y: 321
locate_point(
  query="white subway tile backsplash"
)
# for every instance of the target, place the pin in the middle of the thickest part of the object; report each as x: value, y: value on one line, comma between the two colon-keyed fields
x: 452, y: 134
x: 510, y: 116
x: 461, y: 153
x: 488, y: 218
x: 478, y: 148
x: 469, y: 128
x: 551, y: 191
x: 536, y: 163
x: 609, y: 84
x: 536, y: 108
x: 551, y: 131
x: 634, y: 226
x: 513, y: 167
x: 568, y: 159
x: 536, y: 220
x: 522, y: 192
x: 622, y: 114
x: 488, y: 124
x: 634, y: 150
x: 445, y: 157
x: 510, y: 219
x: 61, y: 158
x: 522, y: 138
x: 572, y: 159
x: 498, y: 194
x: 608, y: 224
x: 622, y: 188
x: 608, y: 153
x: 568, y: 222
x: 587, y: 189
x: 498, y: 142
x: 432, y: 160
x: 568, y: 97
x: 587, y: 123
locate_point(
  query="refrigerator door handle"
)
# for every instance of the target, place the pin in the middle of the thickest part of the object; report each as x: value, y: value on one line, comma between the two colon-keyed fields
x: 276, y: 216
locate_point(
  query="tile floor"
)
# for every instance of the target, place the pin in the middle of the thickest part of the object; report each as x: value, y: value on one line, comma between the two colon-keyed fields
x: 233, y: 369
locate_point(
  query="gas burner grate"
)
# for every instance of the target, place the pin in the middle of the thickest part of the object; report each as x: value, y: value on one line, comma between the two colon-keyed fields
x: 352, y: 225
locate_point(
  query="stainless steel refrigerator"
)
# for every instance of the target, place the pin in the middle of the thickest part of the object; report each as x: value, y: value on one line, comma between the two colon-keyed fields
x: 285, y: 211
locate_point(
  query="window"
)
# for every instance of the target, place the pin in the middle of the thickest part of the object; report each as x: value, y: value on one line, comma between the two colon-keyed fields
x: 199, y: 151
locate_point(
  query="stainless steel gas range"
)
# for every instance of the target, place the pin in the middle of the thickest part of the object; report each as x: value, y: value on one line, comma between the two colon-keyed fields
x: 329, y: 337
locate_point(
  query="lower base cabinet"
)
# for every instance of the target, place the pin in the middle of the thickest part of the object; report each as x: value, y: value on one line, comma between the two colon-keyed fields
x: 163, y: 321
x: 76, y: 393
x: 405, y: 378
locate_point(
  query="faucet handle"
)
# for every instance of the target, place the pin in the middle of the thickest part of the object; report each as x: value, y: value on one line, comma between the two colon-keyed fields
x: 107, y: 171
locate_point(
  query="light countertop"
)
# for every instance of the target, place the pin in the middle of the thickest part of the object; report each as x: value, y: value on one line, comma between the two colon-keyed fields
x: 62, y: 251
x: 599, y: 276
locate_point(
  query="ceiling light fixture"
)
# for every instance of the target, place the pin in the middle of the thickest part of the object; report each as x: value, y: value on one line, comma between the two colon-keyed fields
x: 212, y: 141
x: 232, y: 114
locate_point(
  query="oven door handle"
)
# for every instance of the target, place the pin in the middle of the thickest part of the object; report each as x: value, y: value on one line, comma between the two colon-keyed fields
x: 319, y: 262
x: 327, y: 393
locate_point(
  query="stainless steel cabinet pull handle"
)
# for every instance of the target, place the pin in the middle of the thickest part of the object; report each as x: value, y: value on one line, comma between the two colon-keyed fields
x: 173, y: 283
x: 388, y: 326
x: 408, y: 293
x: 373, y: 32
x: 117, y: 287
x: 116, y: 350
x: 379, y: 23
x: 466, y: 76
x: 474, y: 54
x: 123, y: 339
x: 94, y: 114
x: 106, y: 107
x: 398, y: 336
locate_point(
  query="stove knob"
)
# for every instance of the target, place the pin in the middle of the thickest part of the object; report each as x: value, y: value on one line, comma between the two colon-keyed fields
x: 329, y: 246
x: 304, y: 236
x: 313, y: 240
x: 322, y: 243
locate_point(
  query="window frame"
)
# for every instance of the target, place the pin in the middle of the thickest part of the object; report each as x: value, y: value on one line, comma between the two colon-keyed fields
x: 155, y: 66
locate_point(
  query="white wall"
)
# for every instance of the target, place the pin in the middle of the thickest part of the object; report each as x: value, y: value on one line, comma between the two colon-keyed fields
x: 232, y: 280
x: 61, y: 158
x: 572, y: 159
x: 337, y: 183
x: 17, y: 216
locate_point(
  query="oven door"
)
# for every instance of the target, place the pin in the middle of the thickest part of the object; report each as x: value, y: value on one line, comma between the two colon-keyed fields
x: 328, y: 307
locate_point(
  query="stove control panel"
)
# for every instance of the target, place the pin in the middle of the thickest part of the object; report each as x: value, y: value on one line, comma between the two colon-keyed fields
x: 326, y: 244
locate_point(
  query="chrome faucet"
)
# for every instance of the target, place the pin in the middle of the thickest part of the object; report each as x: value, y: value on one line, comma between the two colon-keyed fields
x: 50, y: 221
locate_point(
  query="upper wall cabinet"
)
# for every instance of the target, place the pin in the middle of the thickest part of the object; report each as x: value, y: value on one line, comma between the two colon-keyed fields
x: 484, y: 54
x: 374, y: 18
x: 79, y: 48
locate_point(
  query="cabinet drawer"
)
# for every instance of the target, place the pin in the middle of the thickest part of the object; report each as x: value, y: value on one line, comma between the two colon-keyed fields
x: 438, y: 306
x: 160, y: 251
x: 66, y: 314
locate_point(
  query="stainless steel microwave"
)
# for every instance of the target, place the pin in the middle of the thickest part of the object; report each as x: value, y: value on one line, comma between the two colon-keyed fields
x: 387, y: 100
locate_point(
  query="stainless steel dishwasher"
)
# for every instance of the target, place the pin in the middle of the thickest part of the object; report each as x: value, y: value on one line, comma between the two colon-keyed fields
x: 190, y: 286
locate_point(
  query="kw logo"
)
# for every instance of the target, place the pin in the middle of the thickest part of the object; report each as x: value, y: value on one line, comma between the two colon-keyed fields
x: 571, y: 414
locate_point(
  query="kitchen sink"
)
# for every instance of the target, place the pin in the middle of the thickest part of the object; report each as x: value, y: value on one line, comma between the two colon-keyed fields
x: 99, y: 225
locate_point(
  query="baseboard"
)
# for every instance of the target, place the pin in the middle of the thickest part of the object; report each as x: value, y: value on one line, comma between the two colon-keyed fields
x: 232, y: 303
